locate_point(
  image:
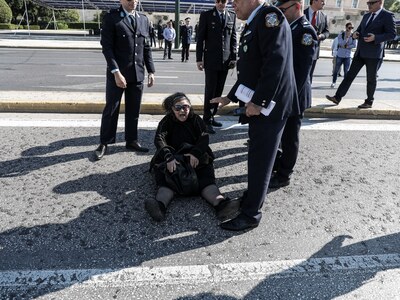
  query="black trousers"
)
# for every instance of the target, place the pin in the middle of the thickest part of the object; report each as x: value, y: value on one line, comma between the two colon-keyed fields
x: 290, y: 147
x: 167, y: 49
x: 358, y: 62
x: 185, y: 51
x: 215, y: 83
x: 109, y: 120
x: 265, y: 136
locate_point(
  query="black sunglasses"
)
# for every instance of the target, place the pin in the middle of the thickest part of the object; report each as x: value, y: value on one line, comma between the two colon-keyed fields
x: 350, y: 27
x: 178, y: 107
x: 284, y: 9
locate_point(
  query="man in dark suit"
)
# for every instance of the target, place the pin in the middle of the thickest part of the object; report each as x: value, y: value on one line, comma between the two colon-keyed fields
x: 319, y: 21
x: 265, y: 65
x: 126, y: 48
x: 186, y: 37
x: 215, y: 54
x: 376, y: 27
x: 305, y: 41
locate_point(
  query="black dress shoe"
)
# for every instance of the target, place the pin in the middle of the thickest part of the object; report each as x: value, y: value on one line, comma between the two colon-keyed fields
x: 277, y: 182
x: 155, y: 208
x: 210, y: 129
x: 228, y: 208
x: 100, y: 151
x: 241, y: 222
x: 215, y: 123
x: 332, y: 99
x: 365, y: 105
x: 135, y: 146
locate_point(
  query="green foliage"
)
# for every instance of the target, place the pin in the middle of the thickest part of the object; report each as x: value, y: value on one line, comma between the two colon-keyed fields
x: 88, y: 25
x: 395, y: 7
x: 388, y: 3
x: 5, y: 12
x: 7, y: 26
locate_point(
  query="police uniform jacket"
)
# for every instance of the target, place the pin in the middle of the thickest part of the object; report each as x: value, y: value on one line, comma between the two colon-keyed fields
x: 126, y: 48
x: 216, y: 42
x: 265, y: 63
x: 384, y: 29
x: 186, y: 34
x: 304, y: 47
x: 321, y: 27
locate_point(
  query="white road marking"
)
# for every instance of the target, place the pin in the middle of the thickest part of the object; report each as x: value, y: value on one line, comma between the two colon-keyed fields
x: 197, y: 274
x: 332, y: 124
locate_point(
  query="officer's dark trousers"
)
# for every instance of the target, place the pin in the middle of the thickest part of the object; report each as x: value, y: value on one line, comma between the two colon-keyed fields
x: 167, y: 49
x: 290, y: 146
x: 185, y: 51
x: 109, y: 120
x: 355, y: 67
x: 265, y: 136
x: 215, y: 83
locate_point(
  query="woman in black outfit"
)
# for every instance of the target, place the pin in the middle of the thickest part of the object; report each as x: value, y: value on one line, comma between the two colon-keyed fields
x: 182, y: 126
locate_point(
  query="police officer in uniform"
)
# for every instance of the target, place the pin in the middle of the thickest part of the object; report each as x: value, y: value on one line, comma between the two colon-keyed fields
x: 126, y: 47
x: 186, y: 37
x: 305, y: 41
x: 265, y: 65
x: 215, y: 54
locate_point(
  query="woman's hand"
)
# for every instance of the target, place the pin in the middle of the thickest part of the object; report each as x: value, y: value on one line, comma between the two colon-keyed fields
x: 171, y: 165
x: 194, y: 162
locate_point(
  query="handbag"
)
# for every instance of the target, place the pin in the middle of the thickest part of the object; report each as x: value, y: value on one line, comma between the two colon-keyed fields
x: 184, y: 179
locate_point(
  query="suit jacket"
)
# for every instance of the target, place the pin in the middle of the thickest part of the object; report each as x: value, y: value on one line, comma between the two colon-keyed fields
x: 305, y: 44
x: 186, y: 34
x: 124, y: 48
x: 384, y: 28
x: 265, y: 63
x: 216, y: 42
x: 321, y: 27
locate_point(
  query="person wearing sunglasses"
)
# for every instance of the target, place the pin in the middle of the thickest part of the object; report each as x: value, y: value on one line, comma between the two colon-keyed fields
x: 376, y: 27
x: 305, y: 41
x: 319, y: 21
x: 346, y: 42
x: 126, y: 48
x: 181, y: 129
x: 215, y: 55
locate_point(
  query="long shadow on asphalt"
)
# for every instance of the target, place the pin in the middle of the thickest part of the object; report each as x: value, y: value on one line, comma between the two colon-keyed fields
x: 328, y: 284
x: 113, y: 235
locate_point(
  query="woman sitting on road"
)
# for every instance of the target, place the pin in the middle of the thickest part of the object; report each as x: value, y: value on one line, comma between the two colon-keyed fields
x: 179, y: 128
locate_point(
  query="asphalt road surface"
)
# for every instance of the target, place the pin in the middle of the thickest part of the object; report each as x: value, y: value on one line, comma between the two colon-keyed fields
x: 73, y: 228
x: 84, y: 70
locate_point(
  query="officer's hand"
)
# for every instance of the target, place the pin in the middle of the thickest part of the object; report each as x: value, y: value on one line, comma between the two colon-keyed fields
x: 150, y: 80
x: 252, y: 109
x: 222, y: 101
x: 200, y: 65
x: 120, y: 80
x: 356, y: 35
x: 370, y: 38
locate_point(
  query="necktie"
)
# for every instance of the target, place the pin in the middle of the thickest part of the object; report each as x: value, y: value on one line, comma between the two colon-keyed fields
x: 222, y: 18
x: 314, y: 19
x: 370, y: 20
x: 133, y: 21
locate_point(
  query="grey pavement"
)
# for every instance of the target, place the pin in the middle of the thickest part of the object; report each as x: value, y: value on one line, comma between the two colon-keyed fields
x: 93, y: 102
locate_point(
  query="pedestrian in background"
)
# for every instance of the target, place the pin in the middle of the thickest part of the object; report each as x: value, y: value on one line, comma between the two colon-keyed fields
x: 215, y: 54
x: 125, y: 31
x: 160, y: 36
x: 186, y: 38
x: 319, y: 21
x: 265, y: 67
x: 376, y: 27
x: 169, y: 36
x: 152, y: 35
x: 343, y: 53
x: 305, y: 41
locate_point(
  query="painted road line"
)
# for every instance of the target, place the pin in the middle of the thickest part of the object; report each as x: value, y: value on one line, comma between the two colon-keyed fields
x: 197, y: 274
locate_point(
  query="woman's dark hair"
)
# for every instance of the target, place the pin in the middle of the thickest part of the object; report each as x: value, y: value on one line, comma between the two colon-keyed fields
x: 170, y: 101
